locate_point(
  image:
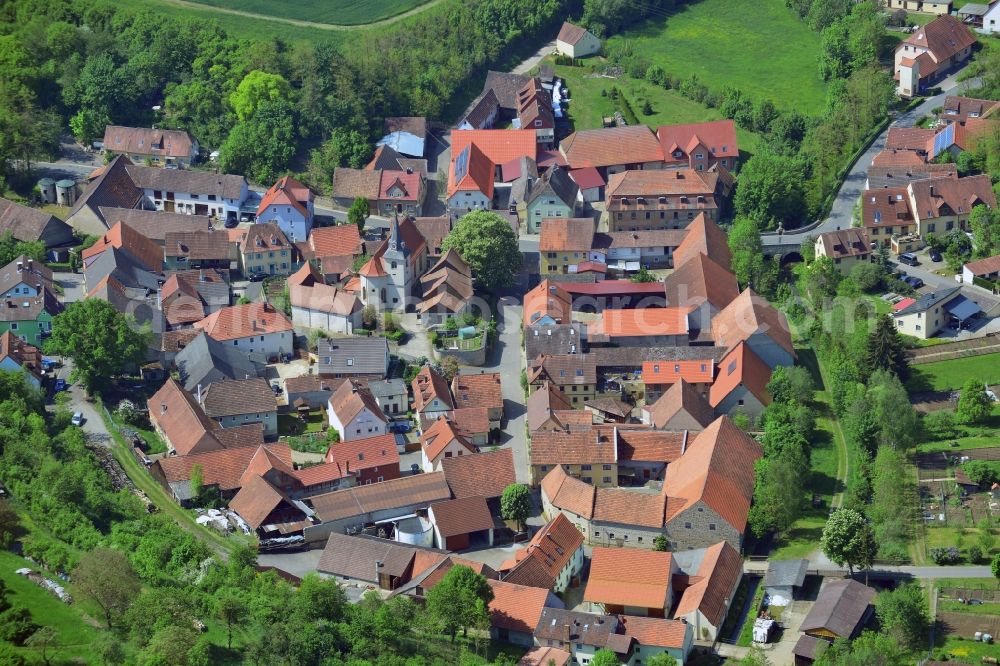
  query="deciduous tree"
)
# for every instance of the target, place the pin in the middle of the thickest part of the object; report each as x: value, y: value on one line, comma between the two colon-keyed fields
x: 902, y: 613
x: 106, y: 577
x: 358, y: 213
x: 848, y: 539
x: 974, y: 406
x: 515, y: 503
x: 460, y: 600
x: 101, y: 341
x: 255, y: 89
x: 771, y: 190
x: 487, y: 243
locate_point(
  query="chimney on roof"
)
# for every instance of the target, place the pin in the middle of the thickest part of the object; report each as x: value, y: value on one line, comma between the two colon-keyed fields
x: 378, y: 570
x: 567, y: 635
x: 684, y: 442
x: 932, y: 191
x: 200, y: 399
x: 20, y: 267
x: 409, y: 170
x: 30, y: 262
x: 163, y: 408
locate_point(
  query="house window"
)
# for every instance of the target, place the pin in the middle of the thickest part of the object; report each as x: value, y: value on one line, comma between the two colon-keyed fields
x: 606, y: 479
x: 607, y: 468
x: 711, y: 527
x: 586, y: 468
x: 687, y: 526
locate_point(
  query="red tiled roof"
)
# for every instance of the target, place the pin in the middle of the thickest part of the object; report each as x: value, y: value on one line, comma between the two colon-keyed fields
x: 409, y: 183
x: 123, y: 237
x: 177, y: 414
x: 984, y: 266
x: 717, y: 136
x: 481, y: 390
x: 701, y: 280
x: 286, y: 192
x: 613, y: 288
x: 462, y: 516
x: 566, y: 234
x: 487, y: 473
x: 242, y: 321
x: 578, y: 447
x: 516, y: 607
x: 437, y: 437
x: 587, y: 178
x: 655, y: 631
x: 720, y: 571
x: 223, y: 468
x: 640, y: 445
x: 642, y: 322
x: 498, y: 146
x: 548, y: 298
x: 943, y: 37
x: 546, y: 555
x: 668, y: 372
x: 141, y: 141
x: 364, y: 453
x: 628, y: 507
x: 567, y: 493
x: 611, y: 146
x: 629, y: 577
x: 336, y: 241
x: 427, y: 385
x: 749, y: 314
x: 680, y: 396
x: 351, y: 398
x: 741, y: 367
x: 706, y: 237
x: 571, y: 34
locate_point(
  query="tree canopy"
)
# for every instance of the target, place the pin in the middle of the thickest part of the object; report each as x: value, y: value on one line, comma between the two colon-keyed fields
x: 487, y: 243
x: 848, y: 539
x: 460, y: 600
x: 974, y: 405
x: 515, y: 503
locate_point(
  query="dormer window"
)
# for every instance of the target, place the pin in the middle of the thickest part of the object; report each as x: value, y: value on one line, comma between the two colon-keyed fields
x: 625, y: 202
x: 663, y: 201
x: 640, y: 201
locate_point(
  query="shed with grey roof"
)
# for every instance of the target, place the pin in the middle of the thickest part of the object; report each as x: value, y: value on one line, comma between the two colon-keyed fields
x: 781, y: 579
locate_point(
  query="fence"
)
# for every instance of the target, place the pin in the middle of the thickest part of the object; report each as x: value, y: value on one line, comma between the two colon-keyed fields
x: 988, y: 344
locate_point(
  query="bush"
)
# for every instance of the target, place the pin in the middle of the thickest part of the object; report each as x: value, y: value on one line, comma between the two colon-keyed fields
x: 975, y: 554
x: 945, y: 556
x: 982, y: 472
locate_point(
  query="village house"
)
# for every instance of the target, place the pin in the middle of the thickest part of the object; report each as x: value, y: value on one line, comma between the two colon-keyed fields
x: 921, y: 6
x: 574, y: 374
x: 370, y: 459
x: 590, y: 182
x: 205, y: 360
x: 431, y: 397
x: 940, y: 205
x: 391, y: 396
x: 704, y: 236
x: 704, y: 603
x: 387, y: 279
x: 957, y: 109
x: 609, y: 409
x: 476, y: 158
x: 546, y: 305
x: 177, y: 417
x: 354, y: 413
x: 565, y: 243
x: 197, y: 249
x: 741, y: 386
x: 289, y: 204
x: 318, y: 305
x: 31, y: 225
x: 886, y: 214
x: 251, y: 328
x: 626, y: 252
x: 751, y: 319
x: 929, y: 314
x: 123, y: 238
x: 661, y: 199
x: 112, y: 187
x: 700, y: 146
x: 27, y: 304
x: 642, y: 327
x: 479, y: 391
x: 682, y: 406
x: 441, y: 440
x: 264, y: 249
x: 157, y: 147
x: 223, y: 470
x: 842, y: 609
x: 534, y: 111
x: 192, y: 192
x: 553, y: 195
x: 931, y: 52
x: 659, y: 375
x: 447, y: 289
x: 23, y: 276
x: 483, y: 113
x: 576, y: 42
x: 353, y: 358
x: 241, y: 401
x: 310, y: 391
x: 633, y: 582
x: 189, y: 296
x: 460, y: 524
x: 846, y: 247
x: 516, y: 611
x: 984, y: 17
x: 631, y: 638
x: 332, y: 250
x: 612, y: 150
x: 894, y: 169
x: 553, y: 559
x: 704, y: 288
x: 590, y: 455
x: 18, y: 356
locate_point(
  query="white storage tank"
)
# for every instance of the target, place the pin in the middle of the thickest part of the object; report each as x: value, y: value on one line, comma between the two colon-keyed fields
x: 415, y: 531
x: 66, y: 192
x: 47, y: 190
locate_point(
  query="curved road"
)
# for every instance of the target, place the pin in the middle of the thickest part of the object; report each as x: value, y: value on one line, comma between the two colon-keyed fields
x: 854, y: 184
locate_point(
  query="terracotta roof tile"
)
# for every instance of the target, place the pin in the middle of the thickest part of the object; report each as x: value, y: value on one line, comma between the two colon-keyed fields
x: 741, y: 367
x: 148, y: 141
x: 611, y: 146
x: 573, y: 448
x: 942, y: 197
x: 851, y: 242
x: 628, y: 507
x: 498, y: 146
x: 335, y: 241
x: 123, y: 237
x: 471, y: 421
x: 681, y: 396
x: 481, y: 390
x: 587, y: 178
x: 238, y: 396
x: 546, y: 555
x: 660, y: 182
x: 547, y: 299
x: 256, y: 500
x: 462, y: 516
x: 242, y: 321
x: 571, y: 34
x: 563, y: 369
x: 566, y: 234
x: 700, y: 280
x: 351, y: 398
x: 719, y: 573
x: 545, y: 400
x: 642, y: 322
x: 486, y: 474
x: 887, y: 207
x: 516, y: 607
x: 545, y: 656
x: 629, y: 577
x: 364, y: 453
x: 567, y: 493
x: 223, y: 468
x: 706, y: 237
x: 442, y: 433
x: 749, y: 314
x: 356, y: 183
x: 649, y: 445
x: 718, y: 136
x: 395, y: 493
x: 655, y: 631
x: 943, y: 37
x: 427, y: 385
x: 264, y: 237
x: 176, y: 413
x: 287, y: 192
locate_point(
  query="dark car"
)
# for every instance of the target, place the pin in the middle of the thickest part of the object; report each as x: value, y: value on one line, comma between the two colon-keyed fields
x: 914, y: 282
x: 908, y: 258
x: 60, y: 385
x: 257, y: 277
x: 401, y: 427
x: 935, y: 256
x: 232, y: 224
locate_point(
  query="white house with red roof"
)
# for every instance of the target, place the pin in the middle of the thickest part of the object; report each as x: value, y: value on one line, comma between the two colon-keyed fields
x: 387, y: 278
x: 401, y: 192
x: 254, y: 328
x: 700, y: 146
x: 576, y: 42
x: 289, y: 203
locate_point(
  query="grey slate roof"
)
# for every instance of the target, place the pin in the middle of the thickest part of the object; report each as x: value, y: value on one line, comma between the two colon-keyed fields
x: 356, y: 556
x: 555, y: 181
x: 353, y: 356
x: 32, y: 224
x: 505, y: 86
x: 155, y: 224
x: 114, y: 262
x: 225, y: 186
x: 387, y: 388
x: 927, y: 301
x: 635, y: 356
x: 555, y: 339
x: 786, y: 572
x: 528, y: 174
x: 484, y: 106
x: 205, y: 360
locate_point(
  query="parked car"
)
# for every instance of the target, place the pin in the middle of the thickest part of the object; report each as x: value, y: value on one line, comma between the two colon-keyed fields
x: 935, y: 256
x: 60, y: 385
x: 77, y: 419
x: 401, y: 427
x: 257, y: 277
x: 232, y: 224
x: 913, y: 281
x: 908, y: 258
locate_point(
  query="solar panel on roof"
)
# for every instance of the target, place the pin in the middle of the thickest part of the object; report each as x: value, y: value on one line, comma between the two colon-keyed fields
x: 462, y: 164
x: 943, y: 139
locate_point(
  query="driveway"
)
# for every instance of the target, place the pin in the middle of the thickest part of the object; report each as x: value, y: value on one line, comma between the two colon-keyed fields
x: 532, y: 62
x: 93, y: 424
x: 72, y: 286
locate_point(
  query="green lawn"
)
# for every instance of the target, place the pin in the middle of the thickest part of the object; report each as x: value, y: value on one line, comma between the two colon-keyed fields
x: 290, y: 424
x: 746, y: 633
x: 75, y: 634
x: 966, y: 651
x: 334, y: 12
x: 982, y: 436
x: 951, y: 375
x: 759, y: 46
x: 588, y: 106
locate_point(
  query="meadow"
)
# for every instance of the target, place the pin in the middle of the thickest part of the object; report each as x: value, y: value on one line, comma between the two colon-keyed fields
x: 333, y: 12
x: 951, y: 375
x: 759, y: 46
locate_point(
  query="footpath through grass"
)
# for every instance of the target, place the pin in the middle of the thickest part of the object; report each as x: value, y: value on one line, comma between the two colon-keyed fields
x: 759, y: 46
x: 829, y: 468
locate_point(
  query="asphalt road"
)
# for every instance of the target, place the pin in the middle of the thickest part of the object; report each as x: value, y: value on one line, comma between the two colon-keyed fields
x: 854, y: 184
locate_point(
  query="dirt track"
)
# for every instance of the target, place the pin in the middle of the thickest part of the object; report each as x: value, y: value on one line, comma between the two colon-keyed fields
x: 301, y: 23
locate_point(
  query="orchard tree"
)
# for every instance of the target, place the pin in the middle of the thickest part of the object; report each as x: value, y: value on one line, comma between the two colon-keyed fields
x: 515, y: 503
x: 902, y: 613
x: 974, y: 406
x: 605, y: 657
x: 461, y: 600
x: 101, y: 341
x: 848, y: 539
x: 771, y: 190
x: 747, y: 250
x: 488, y: 245
x: 107, y: 578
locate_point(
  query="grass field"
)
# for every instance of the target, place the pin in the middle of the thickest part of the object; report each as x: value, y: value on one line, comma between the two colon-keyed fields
x: 951, y: 375
x: 967, y: 437
x: 759, y: 46
x: 75, y: 634
x: 588, y: 106
x: 334, y: 12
